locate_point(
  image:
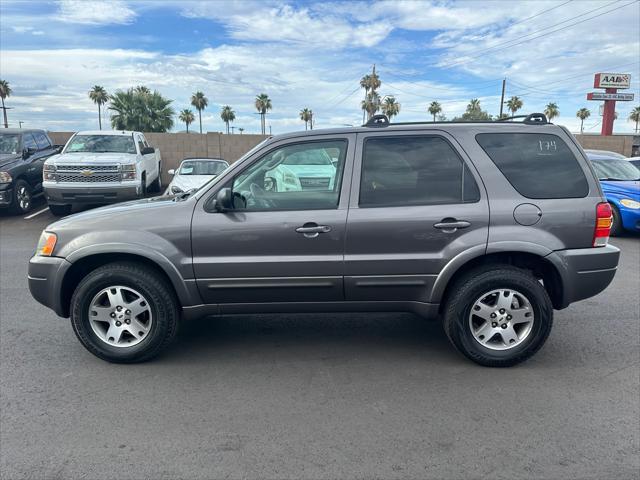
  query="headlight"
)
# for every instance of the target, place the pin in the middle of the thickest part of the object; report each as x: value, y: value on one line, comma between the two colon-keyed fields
x: 175, y: 189
x: 49, y: 173
x: 5, y: 177
x: 46, y: 244
x: 627, y: 202
x: 128, y: 172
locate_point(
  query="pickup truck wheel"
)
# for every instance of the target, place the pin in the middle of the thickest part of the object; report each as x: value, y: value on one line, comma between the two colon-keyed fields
x: 124, y: 313
x: 156, y: 186
x: 60, y: 210
x: 22, y: 200
x: 498, y: 316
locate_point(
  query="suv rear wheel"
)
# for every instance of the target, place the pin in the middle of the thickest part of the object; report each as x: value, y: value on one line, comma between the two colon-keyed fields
x: 498, y: 316
x: 124, y: 313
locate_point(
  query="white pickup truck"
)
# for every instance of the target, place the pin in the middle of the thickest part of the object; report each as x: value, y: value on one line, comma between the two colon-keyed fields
x: 100, y: 167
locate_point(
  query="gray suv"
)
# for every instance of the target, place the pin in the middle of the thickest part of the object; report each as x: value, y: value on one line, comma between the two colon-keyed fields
x: 487, y: 226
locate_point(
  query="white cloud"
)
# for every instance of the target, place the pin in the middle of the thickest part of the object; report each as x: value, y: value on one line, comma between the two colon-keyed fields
x: 95, y: 12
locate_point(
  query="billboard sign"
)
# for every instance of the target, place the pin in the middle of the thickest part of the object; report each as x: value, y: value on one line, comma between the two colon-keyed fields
x: 612, y: 80
x: 621, y: 97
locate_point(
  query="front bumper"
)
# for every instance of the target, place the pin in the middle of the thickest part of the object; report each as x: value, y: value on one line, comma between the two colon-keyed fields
x: 630, y: 218
x: 45, y: 282
x: 6, y: 197
x: 69, y: 194
x: 585, y: 272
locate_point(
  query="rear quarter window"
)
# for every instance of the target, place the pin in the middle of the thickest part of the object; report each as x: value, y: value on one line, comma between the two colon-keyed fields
x: 536, y: 165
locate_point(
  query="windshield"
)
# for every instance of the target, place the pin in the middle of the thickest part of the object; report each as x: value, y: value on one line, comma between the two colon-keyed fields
x: 101, y: 144
x: 202, y: 167
x: 9, y: 144
x: 308, y: 157
x: 615, y: 170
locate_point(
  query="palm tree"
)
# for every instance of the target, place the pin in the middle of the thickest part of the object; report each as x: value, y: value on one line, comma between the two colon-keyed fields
x: 371, y: 104
x: 199, y: 101
x: 305, y: 116
x: 263, y: 104
x: 5, y: 91
x: 551, y: 111
x: 187, y: 117
x: 390, y: 107
x: 474, y: 105
x: 136, y: 110
x: 514, y: 104
x: 634, y: 117
x: 227, y: 115
x: 241, y: 130
x: 99, y: 96
x: 583, y: 114
x: 434, y: 109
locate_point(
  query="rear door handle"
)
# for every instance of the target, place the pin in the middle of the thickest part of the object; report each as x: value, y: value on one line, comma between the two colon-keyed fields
x: 312, y: 230
x: 451, y: 225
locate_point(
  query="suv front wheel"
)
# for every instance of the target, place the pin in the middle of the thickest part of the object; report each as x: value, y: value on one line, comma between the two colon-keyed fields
x: 498, y: 316
x: 124, y: 313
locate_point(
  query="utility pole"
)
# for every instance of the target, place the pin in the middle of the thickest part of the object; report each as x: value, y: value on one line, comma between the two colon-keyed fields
x: 269, y: 129
x: 232, y: 129
x: 20, y: 122
x: 311, y: 119
x: 504, y: 83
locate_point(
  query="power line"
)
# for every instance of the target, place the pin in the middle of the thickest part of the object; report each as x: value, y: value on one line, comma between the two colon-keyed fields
x: 475, y: 54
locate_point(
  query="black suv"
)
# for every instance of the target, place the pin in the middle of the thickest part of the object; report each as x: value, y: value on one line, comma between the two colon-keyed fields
x: 22, y: 155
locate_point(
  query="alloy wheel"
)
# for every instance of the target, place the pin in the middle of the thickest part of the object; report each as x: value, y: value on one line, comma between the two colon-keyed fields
x: 120, y: 316
x: 501, y: 319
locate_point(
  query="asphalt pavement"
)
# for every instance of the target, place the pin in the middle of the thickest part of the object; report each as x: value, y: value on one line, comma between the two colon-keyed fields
x: 317, y: 396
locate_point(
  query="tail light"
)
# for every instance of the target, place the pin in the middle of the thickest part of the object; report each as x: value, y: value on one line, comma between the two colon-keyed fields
x: 603, y: 224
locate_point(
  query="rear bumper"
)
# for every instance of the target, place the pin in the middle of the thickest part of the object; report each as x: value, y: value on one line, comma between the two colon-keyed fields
x: 45, y: 278
x: 60, y: 194
x: 585, y: 272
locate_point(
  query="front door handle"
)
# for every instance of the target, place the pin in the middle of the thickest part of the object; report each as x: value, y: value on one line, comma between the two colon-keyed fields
x: 312, y: 230
x: 449, y: 225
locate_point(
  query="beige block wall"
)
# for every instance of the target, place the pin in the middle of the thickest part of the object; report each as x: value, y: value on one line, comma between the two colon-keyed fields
x: 175, y: 147
x: 615, y: 143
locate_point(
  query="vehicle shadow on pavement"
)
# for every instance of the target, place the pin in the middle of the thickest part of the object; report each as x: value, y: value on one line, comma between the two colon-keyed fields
x: 273, y: 335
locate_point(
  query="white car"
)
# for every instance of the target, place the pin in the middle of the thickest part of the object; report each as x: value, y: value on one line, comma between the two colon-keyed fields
x: 193, y: 173
x: 311, y: 169
x: 100, y: 167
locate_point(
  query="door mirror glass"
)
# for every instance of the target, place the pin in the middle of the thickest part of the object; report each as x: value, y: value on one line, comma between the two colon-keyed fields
x: 147, y: 150
x: 28, y: 152
x: 224, y: 200
x: 270, y: 184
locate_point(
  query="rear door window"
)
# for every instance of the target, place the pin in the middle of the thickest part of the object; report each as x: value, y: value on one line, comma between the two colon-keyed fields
x: 537, y: 165
x: 414, y: 170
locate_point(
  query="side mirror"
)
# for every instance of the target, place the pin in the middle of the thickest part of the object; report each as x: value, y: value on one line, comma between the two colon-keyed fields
x: 270, y: 184
x: 147, y: 150
x: 224, y: 200
x: 171, y: 172
x: 334, y: 162
x: 27, y: 152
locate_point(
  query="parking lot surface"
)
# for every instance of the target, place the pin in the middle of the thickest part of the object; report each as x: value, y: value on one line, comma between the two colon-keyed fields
x: 317, y: 396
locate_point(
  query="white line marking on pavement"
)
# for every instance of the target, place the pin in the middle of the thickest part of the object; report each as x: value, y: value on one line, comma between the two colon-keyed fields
x: 28, y: 217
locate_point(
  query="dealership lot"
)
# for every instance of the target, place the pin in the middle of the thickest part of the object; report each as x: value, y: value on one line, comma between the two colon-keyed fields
x: 317, y: 396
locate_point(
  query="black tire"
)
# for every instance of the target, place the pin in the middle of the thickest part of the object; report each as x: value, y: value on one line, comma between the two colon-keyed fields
x: 60, y: 210
x: 22, y: 198
x: 143, y: 189
x: 483, y: 280
x: 156, y: 186
x: 161, y: 299
x: 616, y: 224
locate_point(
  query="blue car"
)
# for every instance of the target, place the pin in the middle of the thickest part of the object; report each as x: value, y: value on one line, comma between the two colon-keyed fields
x: 620, y: 181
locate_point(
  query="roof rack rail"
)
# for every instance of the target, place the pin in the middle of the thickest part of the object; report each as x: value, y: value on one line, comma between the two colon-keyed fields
x: 531, y: 119
x: 377, y: 121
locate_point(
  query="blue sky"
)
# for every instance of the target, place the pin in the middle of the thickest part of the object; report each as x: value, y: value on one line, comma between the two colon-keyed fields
x: 312, y: 54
